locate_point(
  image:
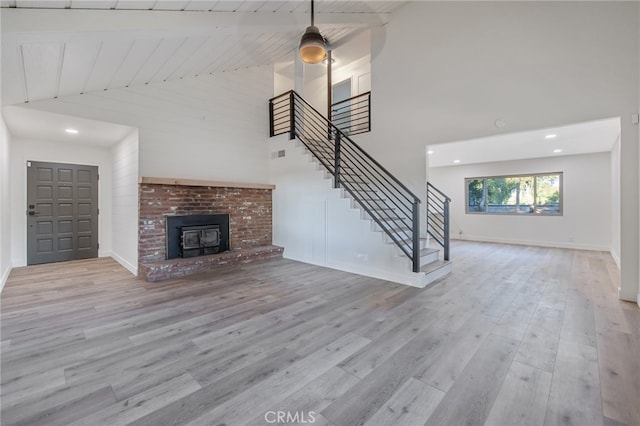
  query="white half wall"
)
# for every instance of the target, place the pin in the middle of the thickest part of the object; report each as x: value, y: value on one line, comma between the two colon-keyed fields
x: 57, y: 152
x: 124, y: 207
x: 586, y: 219
x: 533, y: 65
x: 315, y: 224
x: 5, y: 203
x: 212, y: 127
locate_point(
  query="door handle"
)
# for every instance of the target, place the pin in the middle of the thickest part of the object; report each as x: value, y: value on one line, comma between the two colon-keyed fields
x: 32, y: 213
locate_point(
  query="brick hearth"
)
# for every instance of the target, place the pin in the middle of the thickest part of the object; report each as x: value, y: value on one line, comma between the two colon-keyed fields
x: 250, y: 223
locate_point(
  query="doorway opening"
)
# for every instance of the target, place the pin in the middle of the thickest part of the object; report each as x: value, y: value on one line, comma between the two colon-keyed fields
x: 341, y: 113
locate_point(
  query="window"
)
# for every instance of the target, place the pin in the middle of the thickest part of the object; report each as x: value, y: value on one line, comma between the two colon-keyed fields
x: 539, y: 194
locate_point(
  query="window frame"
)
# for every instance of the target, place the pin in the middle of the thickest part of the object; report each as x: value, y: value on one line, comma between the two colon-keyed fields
x: 516, y: 212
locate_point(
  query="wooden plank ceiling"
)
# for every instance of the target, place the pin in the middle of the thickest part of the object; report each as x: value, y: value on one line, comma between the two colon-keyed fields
x: 57, y: 48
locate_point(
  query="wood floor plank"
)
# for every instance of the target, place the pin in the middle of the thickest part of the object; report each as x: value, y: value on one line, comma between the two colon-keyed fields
x: 540, y: 344
x: 130, y: 409
x: 575, y: 389
x: 86, y: 343
x: 15, y: 388
x: 619, y: 373
x: 381, y: 349
x: 455, y: 353
x: 69, y: 411
x: 256, y: 325
x: 193, y: 405
x: 366, y: 397
x: 382, y: 322
x: 127, y: 362
x: 471, y: 398
x: 209, y: 365
x: 522, y: 398
x: 412, y: 404
x: 314, y: 397
x: 514, y: 322
x: 578, y: 323
x: 45, y: 400
x: 269, y: 392
x: 500, y: 302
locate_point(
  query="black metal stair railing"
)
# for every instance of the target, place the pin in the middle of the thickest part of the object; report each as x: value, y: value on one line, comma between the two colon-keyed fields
x: 388, y: 202
x: 438, y: 217
x: 353, y: 115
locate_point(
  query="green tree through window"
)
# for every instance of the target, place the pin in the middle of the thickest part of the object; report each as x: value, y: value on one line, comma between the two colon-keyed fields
x: 538, y: 194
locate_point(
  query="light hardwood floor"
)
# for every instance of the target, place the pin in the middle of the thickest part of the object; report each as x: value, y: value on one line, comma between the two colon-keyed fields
x: 515, y: 335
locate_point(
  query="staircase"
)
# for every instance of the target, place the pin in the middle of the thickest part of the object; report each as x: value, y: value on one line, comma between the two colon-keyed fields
x: 382, y: 198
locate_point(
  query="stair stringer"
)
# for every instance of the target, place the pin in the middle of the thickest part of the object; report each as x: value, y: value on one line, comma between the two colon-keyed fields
x: 317, y: 224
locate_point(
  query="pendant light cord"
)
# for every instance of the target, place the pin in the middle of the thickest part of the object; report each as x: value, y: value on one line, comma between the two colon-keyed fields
x: 312, y: 13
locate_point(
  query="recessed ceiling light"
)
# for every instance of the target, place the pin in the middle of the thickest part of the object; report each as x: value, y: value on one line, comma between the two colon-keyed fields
x: 551, y: 136
x: 557, y: 150
x: 72, y: 131
x: 429, y: 152
x: 456, y: 161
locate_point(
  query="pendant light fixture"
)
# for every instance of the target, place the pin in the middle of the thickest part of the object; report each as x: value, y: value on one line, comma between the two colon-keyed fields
x: 313, y: 47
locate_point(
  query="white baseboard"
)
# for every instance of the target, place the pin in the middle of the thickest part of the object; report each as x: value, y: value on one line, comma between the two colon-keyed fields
x: 5, y: 277
x: 127, y: 265
x: 407, y: 278
x: 575, y: 246
x: 413, y: 279
x: 616, y: 258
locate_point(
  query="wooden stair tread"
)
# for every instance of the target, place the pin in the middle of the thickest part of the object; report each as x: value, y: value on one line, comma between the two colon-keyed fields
x: 427, y: 251
x: 434, y: 266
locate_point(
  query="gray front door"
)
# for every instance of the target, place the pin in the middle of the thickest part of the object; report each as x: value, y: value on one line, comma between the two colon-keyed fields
x: 62, y: 212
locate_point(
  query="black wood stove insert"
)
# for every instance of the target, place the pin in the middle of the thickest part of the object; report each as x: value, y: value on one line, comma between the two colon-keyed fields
x: 197, y: 235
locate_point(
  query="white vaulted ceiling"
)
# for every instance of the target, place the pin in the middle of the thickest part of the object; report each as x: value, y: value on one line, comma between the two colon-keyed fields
x: 57, y: 48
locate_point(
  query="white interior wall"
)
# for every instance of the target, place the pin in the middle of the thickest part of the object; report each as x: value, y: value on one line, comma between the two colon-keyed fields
x: 315, y: 86
x: 283, y: 78
x: 615, y: 202
x: 5, y: 212
x: 315, y: 224
x: 485, y: 61
x: 584, y: 224
x: 220, y: 120
x: 125, y: 202
x: 74, y: 153
x: 359, y: 71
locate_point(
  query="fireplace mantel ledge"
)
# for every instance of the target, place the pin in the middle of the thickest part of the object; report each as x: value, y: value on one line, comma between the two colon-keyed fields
x: 200, y: 182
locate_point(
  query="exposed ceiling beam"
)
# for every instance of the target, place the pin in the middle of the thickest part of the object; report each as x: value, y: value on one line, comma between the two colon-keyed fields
x: 44, y: 20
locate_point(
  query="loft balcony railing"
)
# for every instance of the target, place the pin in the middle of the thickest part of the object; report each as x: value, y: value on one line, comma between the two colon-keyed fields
x: 353, y: 115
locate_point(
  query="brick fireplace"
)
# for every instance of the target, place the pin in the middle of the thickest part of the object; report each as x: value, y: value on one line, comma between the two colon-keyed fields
x: 250, y: 223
